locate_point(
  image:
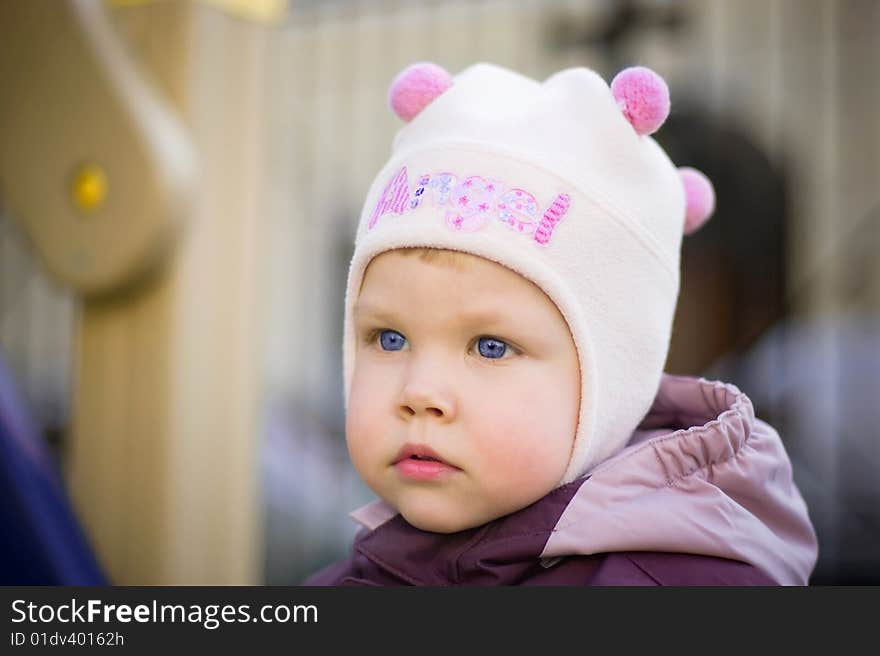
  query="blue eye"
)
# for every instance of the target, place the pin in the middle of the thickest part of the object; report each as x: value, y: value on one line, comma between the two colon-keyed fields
x: 489, y: 347
x: 391, y: 340
x: 492, y: 348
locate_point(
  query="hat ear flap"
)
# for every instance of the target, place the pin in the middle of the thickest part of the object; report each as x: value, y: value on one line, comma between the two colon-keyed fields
x: 699, y: 198
x: 643, y: 97
x: 415, y: 87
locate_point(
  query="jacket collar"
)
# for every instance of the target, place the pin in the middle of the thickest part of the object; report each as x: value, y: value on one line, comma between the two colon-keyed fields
x: 501, y: 552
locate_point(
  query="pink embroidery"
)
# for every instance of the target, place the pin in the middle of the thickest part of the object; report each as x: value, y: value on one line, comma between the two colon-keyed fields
x: 470, y: 215
x: 552, y: 217
x: 524, y: 218
x: 475, y: 200
x: 526, y: 227
x: 394, y: 198
x: 469, y: 223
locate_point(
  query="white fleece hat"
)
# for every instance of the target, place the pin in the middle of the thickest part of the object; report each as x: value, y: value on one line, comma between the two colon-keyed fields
x: 559, y: 182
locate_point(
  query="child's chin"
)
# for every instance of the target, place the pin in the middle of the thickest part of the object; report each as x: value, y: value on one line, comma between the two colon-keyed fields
x: 436, y: 522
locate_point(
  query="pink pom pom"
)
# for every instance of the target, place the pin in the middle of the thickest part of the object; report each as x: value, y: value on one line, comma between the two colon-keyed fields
x: 643, y: 97
x: 699, y: 198
x: 415, y: 87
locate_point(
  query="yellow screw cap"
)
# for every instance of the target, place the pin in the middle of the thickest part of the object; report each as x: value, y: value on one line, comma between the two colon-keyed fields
x: 89, y: 187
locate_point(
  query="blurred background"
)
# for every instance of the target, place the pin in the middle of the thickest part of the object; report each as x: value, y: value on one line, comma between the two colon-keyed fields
x: 179, y: 188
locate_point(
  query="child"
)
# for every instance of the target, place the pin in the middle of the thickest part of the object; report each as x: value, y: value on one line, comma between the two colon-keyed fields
x: 507, y: 318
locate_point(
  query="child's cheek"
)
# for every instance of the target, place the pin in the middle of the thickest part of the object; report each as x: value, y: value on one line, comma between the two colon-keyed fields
x: 363, y: 419
x: 527, y: 427
x: 507, y: 429
x: 521, y: 446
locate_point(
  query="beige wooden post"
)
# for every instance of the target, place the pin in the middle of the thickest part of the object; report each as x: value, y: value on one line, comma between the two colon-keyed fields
x: 163, y: 463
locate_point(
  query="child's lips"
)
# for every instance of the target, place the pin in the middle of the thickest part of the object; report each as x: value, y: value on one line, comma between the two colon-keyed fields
x: 418, y: 452
x: 423, y: 470
x: 420, y: 462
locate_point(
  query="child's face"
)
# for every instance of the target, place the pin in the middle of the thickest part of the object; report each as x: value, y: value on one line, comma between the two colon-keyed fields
x: 474, y: 363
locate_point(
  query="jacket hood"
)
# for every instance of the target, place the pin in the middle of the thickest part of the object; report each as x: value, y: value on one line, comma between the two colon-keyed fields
x: 701, y: 475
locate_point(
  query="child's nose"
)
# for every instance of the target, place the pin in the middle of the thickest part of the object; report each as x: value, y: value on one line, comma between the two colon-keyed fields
x: 427, y: 399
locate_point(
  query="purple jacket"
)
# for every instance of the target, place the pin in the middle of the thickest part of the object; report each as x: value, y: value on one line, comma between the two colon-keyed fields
x: 702, y: 495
